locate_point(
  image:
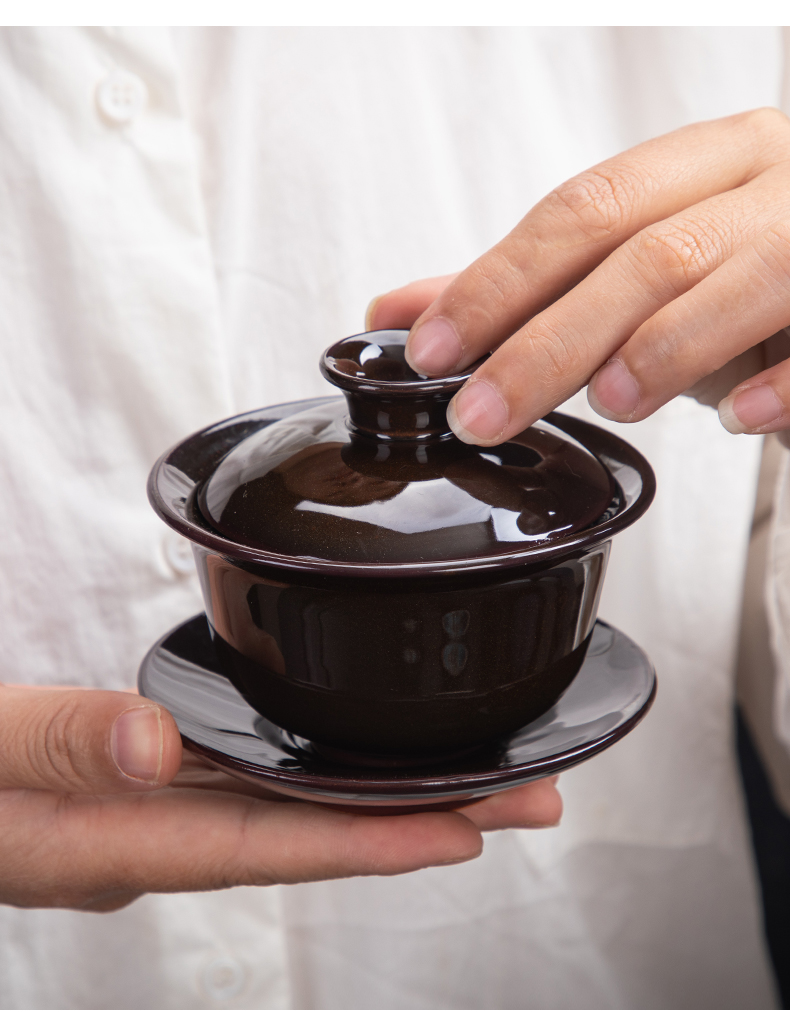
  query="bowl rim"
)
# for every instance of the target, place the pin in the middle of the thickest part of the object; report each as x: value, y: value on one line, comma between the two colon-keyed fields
x: 172, y: 493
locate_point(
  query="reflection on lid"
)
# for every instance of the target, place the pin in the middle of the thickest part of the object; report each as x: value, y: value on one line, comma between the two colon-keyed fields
x: 421, y: 506
x: 306, y: 487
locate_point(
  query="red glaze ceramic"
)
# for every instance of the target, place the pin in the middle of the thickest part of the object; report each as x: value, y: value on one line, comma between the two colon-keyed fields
x: 383, y: 590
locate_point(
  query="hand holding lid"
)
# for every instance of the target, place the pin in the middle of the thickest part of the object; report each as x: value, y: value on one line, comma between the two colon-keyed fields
x: 391, y: 484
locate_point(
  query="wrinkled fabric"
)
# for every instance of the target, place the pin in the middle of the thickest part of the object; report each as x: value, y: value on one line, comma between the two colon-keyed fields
x: 160, y: 274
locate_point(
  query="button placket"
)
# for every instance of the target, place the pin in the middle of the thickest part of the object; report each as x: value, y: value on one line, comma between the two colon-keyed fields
x: 223, y: 979
x: 178, y: 554
x: 121, y: 97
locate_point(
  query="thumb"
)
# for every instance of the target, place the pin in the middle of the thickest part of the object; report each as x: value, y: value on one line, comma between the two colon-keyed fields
x: 397, y: 310
x: 81, y: 741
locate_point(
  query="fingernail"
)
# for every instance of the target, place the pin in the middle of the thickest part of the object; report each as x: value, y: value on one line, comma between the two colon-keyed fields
x: 750, y: 409
x: 613, y: 392
x: 478, y: 413
x: 370, y: 311
x: 434, y: 348
x: 137, y: 742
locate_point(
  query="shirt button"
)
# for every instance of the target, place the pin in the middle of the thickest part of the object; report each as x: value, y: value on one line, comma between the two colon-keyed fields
x: 178, y: 553
x: 121, y: 97
x: 224, y: 978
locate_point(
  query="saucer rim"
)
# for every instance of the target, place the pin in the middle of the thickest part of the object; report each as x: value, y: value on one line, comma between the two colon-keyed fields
x: 411, y: 788
x: 376, y: 787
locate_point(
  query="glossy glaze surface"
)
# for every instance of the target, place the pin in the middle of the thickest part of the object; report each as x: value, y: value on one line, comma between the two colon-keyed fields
x: 383, y: 480
x: 378, y: 587
x: 611, y: 693
x: 406, y: 667
x: 181, y: 472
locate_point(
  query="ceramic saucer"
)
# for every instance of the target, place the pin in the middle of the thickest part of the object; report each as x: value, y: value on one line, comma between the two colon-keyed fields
x: 612, y: 692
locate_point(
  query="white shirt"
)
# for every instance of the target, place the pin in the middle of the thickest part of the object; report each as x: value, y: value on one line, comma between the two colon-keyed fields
x: 181, y: 244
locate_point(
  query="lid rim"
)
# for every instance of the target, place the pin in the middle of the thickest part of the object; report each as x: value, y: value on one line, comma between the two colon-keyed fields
x: 175, y: 511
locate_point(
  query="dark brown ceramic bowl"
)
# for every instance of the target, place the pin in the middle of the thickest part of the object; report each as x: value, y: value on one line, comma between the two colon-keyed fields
x: 375, y: 630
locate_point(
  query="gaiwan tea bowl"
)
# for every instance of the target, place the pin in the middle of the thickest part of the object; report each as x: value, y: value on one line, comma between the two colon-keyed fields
x: 379, y: 588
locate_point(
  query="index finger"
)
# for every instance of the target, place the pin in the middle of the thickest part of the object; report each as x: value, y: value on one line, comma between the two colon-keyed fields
x: 102, y: 852
x: 574, y: 228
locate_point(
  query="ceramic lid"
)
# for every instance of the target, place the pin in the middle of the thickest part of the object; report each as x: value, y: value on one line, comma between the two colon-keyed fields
x: 382, y: 480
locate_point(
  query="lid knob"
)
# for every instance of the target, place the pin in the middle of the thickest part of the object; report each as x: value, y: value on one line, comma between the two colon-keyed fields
x: 387, y: 399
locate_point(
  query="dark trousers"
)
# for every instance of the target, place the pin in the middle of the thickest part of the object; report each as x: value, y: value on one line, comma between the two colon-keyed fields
x: 770, y: 829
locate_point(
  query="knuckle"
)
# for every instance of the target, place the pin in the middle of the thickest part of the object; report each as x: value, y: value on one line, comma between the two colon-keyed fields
x: 559, y: 352
x: 502, y: 274
x: 769, y: 129
x: 679, y: 253
x: 53, y: 752
x: 35, y: 865
x: 238, y: 868
x: 600, y: 202
x: 779, y: 237
x: 768, y: 121
x: 661, y: 356
x: 62, y: 864
x: 776, y: 250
